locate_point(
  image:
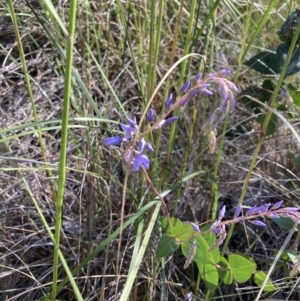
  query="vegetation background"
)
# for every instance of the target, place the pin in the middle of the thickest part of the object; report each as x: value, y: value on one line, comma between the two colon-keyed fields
x: 75, y: 224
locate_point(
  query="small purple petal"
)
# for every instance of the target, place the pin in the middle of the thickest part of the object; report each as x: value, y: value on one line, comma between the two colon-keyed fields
x: 265, y: 208
x: 291, y: 209
x: 273, y: 215
x: 132, y: 122
x: 223, y: 92
x: 232, y: 100
x: 198, y: 77
x: 184, y: 101
x: 250, y: 211
x: 258, y: 223
x: 172, y: 119
x: 149, y: 147
x: 169, y: 101
x: 160, y: 124
x: 276, y: 205
x: 238, y: 210
x: 194, y: 92
x: 188, y: 297
x: 215, y: 229
x: 257, y: 210
x: 150, y: 115
x: 222, y: 213
x: 141, y: 145
x: 185, y: 87
x: 212, y: 74
x: 195, y: 227
x: 206, y: 92
x: 139, y: 161
x: 232, y: 86
x: 128, y: 130
x: 116, y: 140
x: 225, y: 72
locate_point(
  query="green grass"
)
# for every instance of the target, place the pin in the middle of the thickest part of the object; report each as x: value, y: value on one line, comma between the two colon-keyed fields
x: 77, y: 224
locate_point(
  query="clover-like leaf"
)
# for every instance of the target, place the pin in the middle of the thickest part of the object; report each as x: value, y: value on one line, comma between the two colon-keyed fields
x: 167, y: 245
x: 174, y: 221
x: 209, y: 275
x: 242, y: 267
x: 224, y: 271
x: 294, y: 64
x: 264, y: 62
x: 202, y: 256
x: 259, y: 278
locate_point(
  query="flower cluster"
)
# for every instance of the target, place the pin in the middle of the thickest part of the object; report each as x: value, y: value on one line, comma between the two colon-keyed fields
x: 132, y: 155
x: 252, y: 215
x: 134, y: 142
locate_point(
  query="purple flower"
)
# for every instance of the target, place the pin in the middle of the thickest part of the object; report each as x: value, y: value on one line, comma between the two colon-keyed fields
x: 172, y: 119
x: 291, y: 209
x: 195, y: 227
x: 128, y: 130
x: 225, y: 72
x: 184, y: 101
x: 237, y: 211
x: 160, y: 124
x: 141, y: 145
x: 132, y: 122
x: 185, y: 87
x: 221, y: 213
x: 276, y: 205
x: 169, y: 101
x: 207, y: 92
x: 265, y: 207
x: 140, y: 161
x: 150, y: 115
x: 273, y: 215
x: 115, y: 140
x: 198, y: 77
x: 188, y: 297
x: 149, y: 147
x: 258, y: 223
x: 250, y: 211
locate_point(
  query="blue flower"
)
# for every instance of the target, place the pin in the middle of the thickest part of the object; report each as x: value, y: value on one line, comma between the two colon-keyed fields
x: 115, y: 140
x: 128, y: 130
x: 140, y: 161
x: 150, y: 115
x: 169, y: 101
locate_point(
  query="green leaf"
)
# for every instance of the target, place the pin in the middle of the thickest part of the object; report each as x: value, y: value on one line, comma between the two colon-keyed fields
x: 296, y: 97
x: 225, y: 272
x: 183, y: 232
x: 209, y: 275
x: 294, y: 65
x: 210, y: 238
x: 242, y: 267
x: 167, y: 245
x: 284, y: 223
x: 286, y: 34
x: 264, y: 62
x: 202, y: 256
x: 165, y: 223
x: 259, y: 278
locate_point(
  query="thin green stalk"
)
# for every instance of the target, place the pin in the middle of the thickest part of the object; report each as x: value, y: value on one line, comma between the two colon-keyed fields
x: 70, y: 276
x: 264, y: 129
x: 27, y: 80
x: 63, y: 145
x: 188, y: 43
